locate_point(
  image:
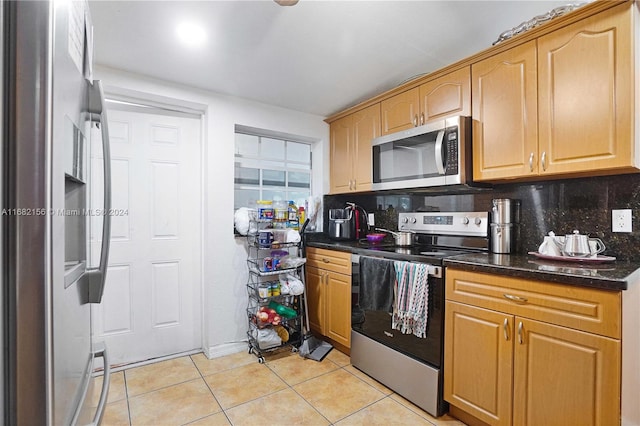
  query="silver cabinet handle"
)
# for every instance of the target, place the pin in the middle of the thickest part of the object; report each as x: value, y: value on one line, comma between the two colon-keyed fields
x: 517, y: 299
x: 520, y: 332
x: 98, y: 113
x: 415, y: 120
x: 505, y: 327
x: 544, y: 160
x: 531, y: 162
x: 422, y: 118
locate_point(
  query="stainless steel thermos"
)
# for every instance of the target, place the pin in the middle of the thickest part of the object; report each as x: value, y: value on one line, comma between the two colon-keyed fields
x: 505, y: 225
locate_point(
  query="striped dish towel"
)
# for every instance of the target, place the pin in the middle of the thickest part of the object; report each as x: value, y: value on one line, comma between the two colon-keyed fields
x: 412, y: 296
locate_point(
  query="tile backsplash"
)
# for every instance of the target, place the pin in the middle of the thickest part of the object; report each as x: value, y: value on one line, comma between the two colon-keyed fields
x: 561, y: 206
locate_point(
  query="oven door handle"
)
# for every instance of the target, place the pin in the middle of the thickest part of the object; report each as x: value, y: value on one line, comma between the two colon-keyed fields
x: 434, y: 271
x: 439, y: 152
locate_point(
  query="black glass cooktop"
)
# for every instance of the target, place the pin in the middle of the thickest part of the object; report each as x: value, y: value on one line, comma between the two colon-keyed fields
x: 415, y: 251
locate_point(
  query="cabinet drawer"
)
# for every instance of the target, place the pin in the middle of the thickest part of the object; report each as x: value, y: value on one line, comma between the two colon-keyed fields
x: 592, y: 310
x: 331, y: 260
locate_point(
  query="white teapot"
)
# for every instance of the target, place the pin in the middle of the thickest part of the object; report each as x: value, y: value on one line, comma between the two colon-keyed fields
x: 551, y: 246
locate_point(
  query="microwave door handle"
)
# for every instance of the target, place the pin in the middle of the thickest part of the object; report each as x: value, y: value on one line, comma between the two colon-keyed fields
x: 439, y: 152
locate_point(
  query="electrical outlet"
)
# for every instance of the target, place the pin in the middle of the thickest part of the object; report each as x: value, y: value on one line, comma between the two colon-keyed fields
x: 621, y: 220
x: 371, y: 219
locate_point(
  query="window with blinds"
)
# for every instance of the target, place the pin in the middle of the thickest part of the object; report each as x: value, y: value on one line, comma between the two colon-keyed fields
x: 270, y: 168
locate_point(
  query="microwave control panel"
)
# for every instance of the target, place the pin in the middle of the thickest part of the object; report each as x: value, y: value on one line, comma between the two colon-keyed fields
x: 451, y: 151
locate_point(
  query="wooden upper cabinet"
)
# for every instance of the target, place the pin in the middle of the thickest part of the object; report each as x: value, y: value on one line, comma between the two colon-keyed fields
x: 366, y: 127
x: 441, y: 97
x: 350, y: 150
x: 400, y: 112
x: 560, y: 105
x: 340, y: 155
x: 505, y: 134
x: 585, y: 83
x: 446, y: 96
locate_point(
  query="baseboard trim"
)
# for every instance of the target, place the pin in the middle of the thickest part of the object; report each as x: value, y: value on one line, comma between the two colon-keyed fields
x: 224, y: 349
x: 465, y: 417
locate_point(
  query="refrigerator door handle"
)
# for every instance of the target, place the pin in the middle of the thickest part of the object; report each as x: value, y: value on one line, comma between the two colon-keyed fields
x: 98, y: 113
x: 101, y: 352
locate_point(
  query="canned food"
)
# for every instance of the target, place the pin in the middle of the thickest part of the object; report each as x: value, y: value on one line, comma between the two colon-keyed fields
x: 263, y: 290
x: 275, y: 289
x: 267, y: 264
x: 265, y: 210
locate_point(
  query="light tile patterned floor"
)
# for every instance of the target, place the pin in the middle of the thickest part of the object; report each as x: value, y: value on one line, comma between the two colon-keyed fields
x: 236, y: 390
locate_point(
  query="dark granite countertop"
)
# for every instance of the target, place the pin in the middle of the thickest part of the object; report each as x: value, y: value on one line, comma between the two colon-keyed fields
x: 609, y: 276
x: 617, y: 275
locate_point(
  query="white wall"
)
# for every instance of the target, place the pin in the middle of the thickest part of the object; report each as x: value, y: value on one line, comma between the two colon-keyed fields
x: 224, y: 257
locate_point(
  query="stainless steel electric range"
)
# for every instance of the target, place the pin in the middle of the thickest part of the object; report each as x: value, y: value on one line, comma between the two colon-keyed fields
x: 409, y: 365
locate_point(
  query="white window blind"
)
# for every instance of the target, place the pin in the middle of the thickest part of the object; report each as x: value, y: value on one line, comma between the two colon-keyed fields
x: 268, y: 167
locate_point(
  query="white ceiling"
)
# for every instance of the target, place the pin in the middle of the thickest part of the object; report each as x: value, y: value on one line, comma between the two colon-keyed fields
x: 318, y: 57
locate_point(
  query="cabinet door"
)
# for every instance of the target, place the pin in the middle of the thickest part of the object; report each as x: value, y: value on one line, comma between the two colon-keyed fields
x: 504, y: 109
x: 446, y: 96
x: 478, y: 362
x: 338, y: 310
x: 565, y: 377
x: 585, y: 77
x: 315, y: 294
x: 366, y: 126
x: 340, y: 155
x: 400, y: 112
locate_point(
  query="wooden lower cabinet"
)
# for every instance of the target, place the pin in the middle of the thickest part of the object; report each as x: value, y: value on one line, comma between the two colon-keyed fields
x: 478, y: 363
x: 503, y: 368
x: 564, y: 376
x: 329, y: 294
x: 315, y: 298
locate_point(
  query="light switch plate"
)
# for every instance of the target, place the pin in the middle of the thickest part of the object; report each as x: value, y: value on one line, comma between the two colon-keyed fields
x: 371, y: 219
x: 621, y: 220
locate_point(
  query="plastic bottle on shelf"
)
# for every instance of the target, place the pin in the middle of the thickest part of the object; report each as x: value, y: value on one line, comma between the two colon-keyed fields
x: 285, y: 311
x: 280, y: 214
x: 301, y: 216
x: 292, y: 220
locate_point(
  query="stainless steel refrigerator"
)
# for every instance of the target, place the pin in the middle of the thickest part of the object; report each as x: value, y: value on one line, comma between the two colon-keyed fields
x: 50, y: 104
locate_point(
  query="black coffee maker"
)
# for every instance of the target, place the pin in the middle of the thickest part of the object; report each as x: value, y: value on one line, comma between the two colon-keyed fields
x: 349, y: 223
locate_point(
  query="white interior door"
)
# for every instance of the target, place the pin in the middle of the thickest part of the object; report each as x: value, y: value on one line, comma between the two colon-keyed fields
x: 152, y: 300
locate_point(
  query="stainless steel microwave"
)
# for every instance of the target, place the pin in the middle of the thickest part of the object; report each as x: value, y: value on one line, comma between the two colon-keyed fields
x: 435, y: 154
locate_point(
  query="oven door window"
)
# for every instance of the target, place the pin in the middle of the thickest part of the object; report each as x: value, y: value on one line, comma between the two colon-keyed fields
x: 412, y: 158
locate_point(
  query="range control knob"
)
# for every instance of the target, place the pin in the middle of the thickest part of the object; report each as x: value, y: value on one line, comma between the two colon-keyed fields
x: 413, y: 220
x: 478, y: 221
x: 465, y: 220
x: 405, y: 220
